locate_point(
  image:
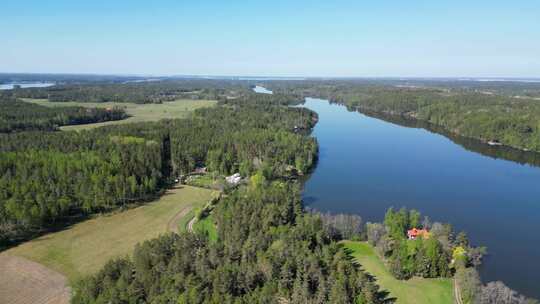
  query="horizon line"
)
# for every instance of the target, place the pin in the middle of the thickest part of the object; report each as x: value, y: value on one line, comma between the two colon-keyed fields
x: 141, y: 75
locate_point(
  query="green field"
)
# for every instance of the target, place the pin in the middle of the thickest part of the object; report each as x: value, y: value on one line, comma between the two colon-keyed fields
x: 413, y: 291
x: 85, y: 247
x: 206, y: 225
x: 137, y: 112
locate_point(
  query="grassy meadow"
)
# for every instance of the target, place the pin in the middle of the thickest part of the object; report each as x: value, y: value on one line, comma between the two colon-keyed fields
x: 413, y: 291
x: 137, y: 112
x: 85, y: 247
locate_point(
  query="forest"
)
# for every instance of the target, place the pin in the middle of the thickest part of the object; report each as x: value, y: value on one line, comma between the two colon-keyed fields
x: 467, y: 111
x: 17, y: 115
x: 268, y: 251
x: 48, y: 176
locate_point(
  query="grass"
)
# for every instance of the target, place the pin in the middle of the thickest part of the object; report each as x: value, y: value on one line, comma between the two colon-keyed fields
x: 208, y: 180
x: 416, y: 290
x: 85, y: 247
x: 206, y: 225
x: 138, y: 112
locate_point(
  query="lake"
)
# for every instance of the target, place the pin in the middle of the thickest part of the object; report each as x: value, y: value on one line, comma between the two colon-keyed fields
x: 367, y: 165
x: 262, y: 90
x: 9, y: 86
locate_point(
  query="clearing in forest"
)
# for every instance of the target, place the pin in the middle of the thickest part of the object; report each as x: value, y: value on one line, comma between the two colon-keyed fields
x: 85, y: 247
x: 413, y: 291
x: 137, y: 112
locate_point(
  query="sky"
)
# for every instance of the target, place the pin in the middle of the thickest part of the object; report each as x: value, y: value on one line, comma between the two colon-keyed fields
x: 378, y: 38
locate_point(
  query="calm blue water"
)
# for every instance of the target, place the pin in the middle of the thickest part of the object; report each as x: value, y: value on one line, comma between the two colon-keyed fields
x: 9, y: 86
x: 367, y: 165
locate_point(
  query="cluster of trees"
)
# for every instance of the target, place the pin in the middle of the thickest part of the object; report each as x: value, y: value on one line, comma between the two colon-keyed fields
x: 432, y: 255
x: 442, y: 253
x: 265, y: 100
x: 474, y: 292
x: 244, y: 139
x: 343, y: 226
x: 17, y: 115
x: 469, y: 112
x: 41, y: 187
x: 268, y: 251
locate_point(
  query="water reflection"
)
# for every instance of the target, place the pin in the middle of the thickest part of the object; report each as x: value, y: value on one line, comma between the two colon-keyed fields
x: 471, y: 144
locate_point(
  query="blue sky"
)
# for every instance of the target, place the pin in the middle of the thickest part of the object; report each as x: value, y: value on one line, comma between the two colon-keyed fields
x: 273, y: 38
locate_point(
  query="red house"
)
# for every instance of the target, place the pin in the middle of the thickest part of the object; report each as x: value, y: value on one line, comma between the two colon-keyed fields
x: 414, y: 233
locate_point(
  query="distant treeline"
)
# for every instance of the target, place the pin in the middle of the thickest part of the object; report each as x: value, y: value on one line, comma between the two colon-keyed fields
x: 17, y: 115
x: 485, y: 116
x: 134, y: 92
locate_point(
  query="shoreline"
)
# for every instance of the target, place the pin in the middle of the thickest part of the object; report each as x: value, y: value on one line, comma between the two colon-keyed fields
x: 412, y: 117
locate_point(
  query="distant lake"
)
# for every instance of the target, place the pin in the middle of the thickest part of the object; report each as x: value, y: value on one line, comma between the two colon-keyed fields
x: 367, y: 165
x: 10, y: 86
x: 262, y: 90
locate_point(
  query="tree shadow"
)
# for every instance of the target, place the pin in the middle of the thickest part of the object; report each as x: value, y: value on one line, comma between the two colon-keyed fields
x: 382, y: 294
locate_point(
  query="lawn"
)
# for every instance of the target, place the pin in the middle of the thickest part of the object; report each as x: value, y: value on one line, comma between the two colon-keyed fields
x: 208, y: 180
x: 413, y: 291
x: 85, y: 247
x: 138, y: 112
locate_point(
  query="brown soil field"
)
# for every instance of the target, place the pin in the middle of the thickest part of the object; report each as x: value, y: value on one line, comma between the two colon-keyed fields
x: 23, y: 281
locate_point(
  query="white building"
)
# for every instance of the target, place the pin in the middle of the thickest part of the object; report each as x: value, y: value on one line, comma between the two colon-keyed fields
x: 234, y: 179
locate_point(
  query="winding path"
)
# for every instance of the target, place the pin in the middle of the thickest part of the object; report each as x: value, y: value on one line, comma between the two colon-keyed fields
x: 191, y: 223
x: 173, y: 223
x: 457, y: 293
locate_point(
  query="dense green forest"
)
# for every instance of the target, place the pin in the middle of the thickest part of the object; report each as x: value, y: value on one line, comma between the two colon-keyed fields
x: 268, y: 251
x: 17, y: 115
x: 469, y: 112
x: 46, y: 176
